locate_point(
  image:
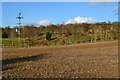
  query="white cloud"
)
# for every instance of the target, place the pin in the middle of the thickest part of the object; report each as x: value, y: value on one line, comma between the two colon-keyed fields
x: 30, y: 23
x: 104, y: 0
x: 71, y: 21
x: 80, y: 20
x: 44, y: 22
x: 98, y: 3
x: 116, y: 9
x: 101, y: 2
x: 105, y: 9
x: 105, y: 3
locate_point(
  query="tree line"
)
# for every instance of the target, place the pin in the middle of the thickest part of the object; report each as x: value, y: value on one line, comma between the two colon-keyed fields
x: 112, y: 29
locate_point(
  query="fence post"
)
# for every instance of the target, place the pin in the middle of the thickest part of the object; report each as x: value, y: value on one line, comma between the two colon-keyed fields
x: 3, y: 45
x: 12, y: 44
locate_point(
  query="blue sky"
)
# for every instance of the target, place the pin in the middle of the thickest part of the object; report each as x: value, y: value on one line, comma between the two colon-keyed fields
x: 56, y: 12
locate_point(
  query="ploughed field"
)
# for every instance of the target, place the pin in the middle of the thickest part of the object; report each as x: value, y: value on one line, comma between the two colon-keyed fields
x: 87, y: 60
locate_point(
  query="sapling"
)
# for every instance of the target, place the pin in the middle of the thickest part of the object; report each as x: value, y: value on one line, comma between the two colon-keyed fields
x: 48, y: 35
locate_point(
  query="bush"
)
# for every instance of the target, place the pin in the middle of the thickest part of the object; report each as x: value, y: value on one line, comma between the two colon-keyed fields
x: 4, y: 35
x: 48, y: 35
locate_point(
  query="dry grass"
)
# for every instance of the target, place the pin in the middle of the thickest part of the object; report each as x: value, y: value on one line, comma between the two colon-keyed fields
x: 89, y: 60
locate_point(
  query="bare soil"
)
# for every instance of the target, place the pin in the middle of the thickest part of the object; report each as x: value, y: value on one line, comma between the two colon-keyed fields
x: 88, y: 60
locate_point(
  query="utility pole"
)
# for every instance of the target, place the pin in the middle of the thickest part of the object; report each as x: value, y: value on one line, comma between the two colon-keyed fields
x: 63, y: 24
x: 19, y: 24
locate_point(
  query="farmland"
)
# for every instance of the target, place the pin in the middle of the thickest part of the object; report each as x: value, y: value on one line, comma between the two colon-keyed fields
x: 85, y: 60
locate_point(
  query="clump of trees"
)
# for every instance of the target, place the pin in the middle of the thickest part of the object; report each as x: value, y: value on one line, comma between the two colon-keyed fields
x: 68, y: 34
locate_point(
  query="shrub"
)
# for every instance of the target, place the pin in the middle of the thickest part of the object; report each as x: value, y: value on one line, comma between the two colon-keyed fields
x: 78, y: 42
x: 48, y: 35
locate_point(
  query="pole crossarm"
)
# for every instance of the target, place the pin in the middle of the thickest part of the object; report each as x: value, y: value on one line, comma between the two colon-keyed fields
x: 19, y: 18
